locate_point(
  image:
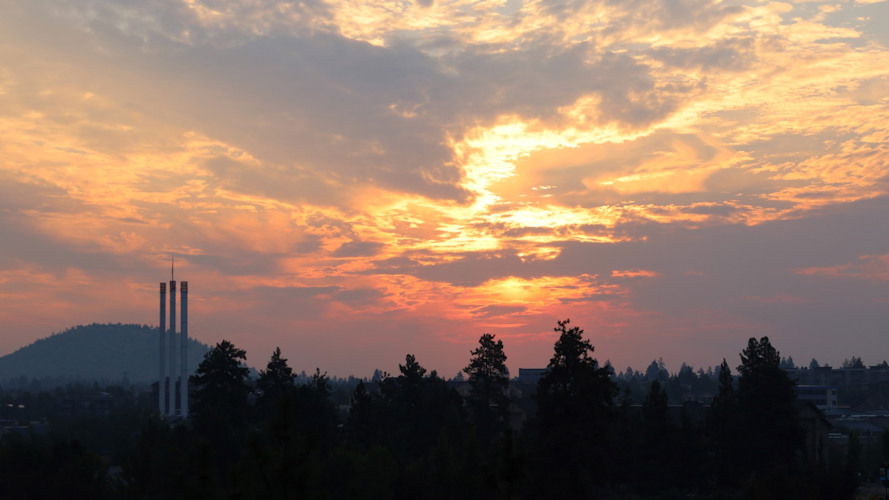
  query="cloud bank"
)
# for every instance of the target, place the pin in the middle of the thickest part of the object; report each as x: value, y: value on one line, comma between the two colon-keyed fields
x: 356, y: 180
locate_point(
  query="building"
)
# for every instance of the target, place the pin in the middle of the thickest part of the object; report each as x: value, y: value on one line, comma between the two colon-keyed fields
x: 816, y: 432
x: 530, y: 376
x: 852, y: 376
x: 824, y: 397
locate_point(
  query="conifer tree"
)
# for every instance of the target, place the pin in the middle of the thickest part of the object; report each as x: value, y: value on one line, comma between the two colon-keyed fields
x: 767, y: 409
x: 654, y: 410
x: 575, y: 417
x: 655, y: 447
x: 489, y: 381
x: 219, y: 410
x: 220, y: 383
x: 722, y: 424
x: 275, y: 381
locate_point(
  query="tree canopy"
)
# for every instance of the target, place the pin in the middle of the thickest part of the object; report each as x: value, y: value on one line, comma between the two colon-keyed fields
x: 575, y: 400
x: 488, y: 381
x: 417, y: 435
x: 219, y: 399
x: 274, y: 382
x: 766, y: 409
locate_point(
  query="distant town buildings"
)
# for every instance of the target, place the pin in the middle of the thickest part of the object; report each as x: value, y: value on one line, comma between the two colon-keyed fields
x: 530, y: 376
x: 844, y: 377
x: 89, y: 405
x: 824, y: 397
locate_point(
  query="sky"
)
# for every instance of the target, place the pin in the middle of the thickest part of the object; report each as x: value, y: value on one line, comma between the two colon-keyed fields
x: 355, y: 180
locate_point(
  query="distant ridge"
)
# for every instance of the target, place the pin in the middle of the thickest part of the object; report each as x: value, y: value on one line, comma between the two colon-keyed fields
x: 94, y: 352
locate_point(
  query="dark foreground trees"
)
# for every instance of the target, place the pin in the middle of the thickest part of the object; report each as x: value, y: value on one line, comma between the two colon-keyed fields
x: 771, y: 456
x: 571, y: 442
x: 274, y: 383
x: 766, y: 410
x: 723, y: 426
x: 219, y: 408
x: 418, y: 422
x: 34, y: 467
x: 488, y: 381
x: 220, y: 389
x: 412, y: 435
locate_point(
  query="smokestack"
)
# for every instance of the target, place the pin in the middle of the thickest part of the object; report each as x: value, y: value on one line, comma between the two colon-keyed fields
x: 172, y: 337
x: 183, y: 357
x: 162, y: 365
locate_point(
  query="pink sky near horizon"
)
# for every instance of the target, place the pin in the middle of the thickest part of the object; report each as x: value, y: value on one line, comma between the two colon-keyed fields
x: 353, y: 181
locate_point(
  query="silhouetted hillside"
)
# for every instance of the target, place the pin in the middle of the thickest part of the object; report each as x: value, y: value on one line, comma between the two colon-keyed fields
x: 103, y: 352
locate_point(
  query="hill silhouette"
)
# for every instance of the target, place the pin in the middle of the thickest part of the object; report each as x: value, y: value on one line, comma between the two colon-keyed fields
x: 97, y: 352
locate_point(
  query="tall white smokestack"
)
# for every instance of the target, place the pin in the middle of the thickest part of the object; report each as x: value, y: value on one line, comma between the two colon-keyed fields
x: 183, y: 358
x: 162, y: 365
x: 172, y: 337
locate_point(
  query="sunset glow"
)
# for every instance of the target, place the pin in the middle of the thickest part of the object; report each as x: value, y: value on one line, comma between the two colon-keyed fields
x: 355, y: 180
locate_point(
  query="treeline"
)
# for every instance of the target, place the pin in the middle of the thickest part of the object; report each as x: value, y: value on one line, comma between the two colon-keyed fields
x: 412, y: 435
x: 687, y: 384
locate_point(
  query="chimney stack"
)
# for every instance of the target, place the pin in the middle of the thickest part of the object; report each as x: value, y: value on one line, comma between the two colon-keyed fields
x: 162, y: 365
x: 172, y: 410
x: 183, y: 354
x: 172, y: 399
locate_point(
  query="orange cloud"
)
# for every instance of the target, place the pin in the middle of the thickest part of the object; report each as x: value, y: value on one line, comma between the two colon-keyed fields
x: 867, y: 267
x: 634, y: 273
